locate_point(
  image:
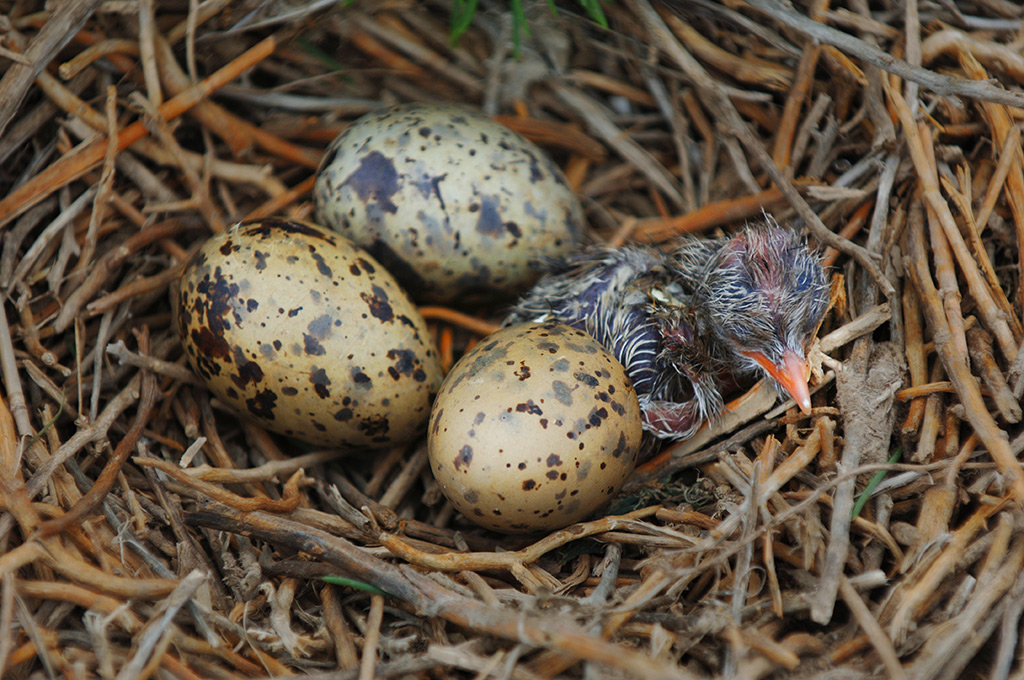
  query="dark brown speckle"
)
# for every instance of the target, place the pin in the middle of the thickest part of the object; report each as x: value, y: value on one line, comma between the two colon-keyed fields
x: 464, y: 458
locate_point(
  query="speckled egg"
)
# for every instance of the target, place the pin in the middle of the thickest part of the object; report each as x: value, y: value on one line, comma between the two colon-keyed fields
x: 454, y: 204
x: 535, y: 428
x: 292, y: 325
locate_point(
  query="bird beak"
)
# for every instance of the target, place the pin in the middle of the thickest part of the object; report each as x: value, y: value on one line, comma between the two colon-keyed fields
x: 792, y: 375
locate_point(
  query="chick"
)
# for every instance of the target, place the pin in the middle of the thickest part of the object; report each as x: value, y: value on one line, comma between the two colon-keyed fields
x: 684, y: 322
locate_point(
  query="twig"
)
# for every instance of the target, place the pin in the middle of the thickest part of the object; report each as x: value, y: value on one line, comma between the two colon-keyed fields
x: 140, y: 286
x: 65, y: 22
x: 160, y: 627
x: 107, y: 266
x: 371, y: 637
x: 946, y: 655
x: 289, y: 501
x: 418, y: 51
x: 430, y: 599
x: 478, y: 561
x: 1007, y: 155
x: 963, y: 204
x: 237, y: 132
x: 710, y: 215
x: 12, y: 381
x: 967, y: 388
x: 460, y: 319
x: 119, y: 351
x: 798, y: 93
x: 605, y: 128
x: 105, y: 480
x: 51, y: 231
x: 66, y: 99
x: 990, y: 53
x: 78, y: 163
x: 716, y: 100
x: 1001, y: 123
x: 869, y: 624
x: 940, y: 84
x: 926, y: 173
x: 1015, y: 375
x: 746, y: 69
x: 979, y: 345
x: 274, y: 469
x: 278, y: 202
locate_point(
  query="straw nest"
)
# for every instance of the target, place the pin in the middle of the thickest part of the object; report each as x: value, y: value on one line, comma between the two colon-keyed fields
x: 148, y: 532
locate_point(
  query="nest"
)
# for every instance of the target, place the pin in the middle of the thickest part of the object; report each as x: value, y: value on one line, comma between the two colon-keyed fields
x: 147, y: 532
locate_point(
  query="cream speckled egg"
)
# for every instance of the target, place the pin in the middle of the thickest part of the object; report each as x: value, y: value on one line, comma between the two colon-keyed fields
x: 290, y: 324
x: 534, y: 429
x: 454, y: 204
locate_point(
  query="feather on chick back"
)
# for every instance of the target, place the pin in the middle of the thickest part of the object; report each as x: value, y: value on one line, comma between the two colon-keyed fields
x: 680, y: 321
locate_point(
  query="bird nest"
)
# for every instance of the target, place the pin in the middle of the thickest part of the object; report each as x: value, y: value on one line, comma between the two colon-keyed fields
x: 148, y: 532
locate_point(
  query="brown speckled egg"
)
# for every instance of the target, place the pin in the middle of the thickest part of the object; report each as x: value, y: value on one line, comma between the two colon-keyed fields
x: 535, y: 428
x: 454, y: 204
x: 290, y: 324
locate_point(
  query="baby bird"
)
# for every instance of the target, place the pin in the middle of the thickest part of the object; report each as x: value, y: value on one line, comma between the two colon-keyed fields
x: 684, y: 322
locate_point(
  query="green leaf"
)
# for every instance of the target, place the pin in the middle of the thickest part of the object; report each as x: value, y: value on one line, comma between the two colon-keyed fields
x: 48, y: 425
x: 358, y: 585
x: 593, y: 8
x: 520, y: 27
x: 519, y: 17
x: 463, y: 12
x: 876, y: 479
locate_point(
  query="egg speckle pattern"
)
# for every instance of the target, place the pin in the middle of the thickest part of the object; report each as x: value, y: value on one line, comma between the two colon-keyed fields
x: 292, y: 325
x: 454, y: 204
x: 535, y: 428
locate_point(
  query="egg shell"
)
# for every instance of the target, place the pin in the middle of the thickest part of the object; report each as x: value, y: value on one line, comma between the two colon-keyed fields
x: 292, y: 325
x: 535, y: 428
x: 454, y: 204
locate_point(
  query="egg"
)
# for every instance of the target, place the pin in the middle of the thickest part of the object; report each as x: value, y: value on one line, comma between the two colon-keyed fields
x: 293, y: 326
x: 457, y: 206
x: 534, y: 429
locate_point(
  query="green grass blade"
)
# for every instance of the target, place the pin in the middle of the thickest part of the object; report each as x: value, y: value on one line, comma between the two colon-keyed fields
x: 595, y: 12
x: 463, y: 12
x: 876, y: 479
x: 520, y: 27
x: 358, y: 585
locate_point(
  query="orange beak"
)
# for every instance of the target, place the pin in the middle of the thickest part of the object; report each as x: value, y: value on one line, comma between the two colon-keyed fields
x: 792, y: 375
